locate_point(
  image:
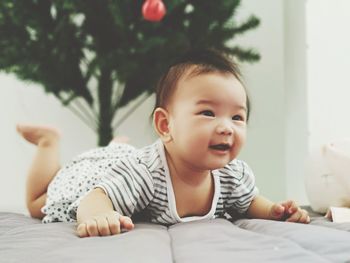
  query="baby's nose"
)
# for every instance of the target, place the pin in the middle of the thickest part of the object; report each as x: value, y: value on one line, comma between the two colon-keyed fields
x: 225, y: 128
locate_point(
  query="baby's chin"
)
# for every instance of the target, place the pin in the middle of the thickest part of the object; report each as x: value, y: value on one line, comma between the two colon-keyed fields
x: 211, y: 163
x: 217, y: 166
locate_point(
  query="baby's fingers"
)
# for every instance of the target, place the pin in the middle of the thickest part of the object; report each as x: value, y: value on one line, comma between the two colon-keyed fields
x: 103, y: 226
x: 290, y: 206
x: 277, y: 212
x: 118, y: 222
x: 81, y: 230
x: 126, y: 222
x: 304, y: 218
x: 300, y: 216
x: 113, y: 222
x: 88, y: 228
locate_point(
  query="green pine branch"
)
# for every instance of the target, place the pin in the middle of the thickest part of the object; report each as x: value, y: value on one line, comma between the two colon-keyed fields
x: 97, y: 56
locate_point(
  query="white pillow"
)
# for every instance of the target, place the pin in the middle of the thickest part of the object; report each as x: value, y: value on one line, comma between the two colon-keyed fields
x: 328, y: 177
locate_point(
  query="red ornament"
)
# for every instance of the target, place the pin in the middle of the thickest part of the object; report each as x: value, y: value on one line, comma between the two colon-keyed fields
x: 153, y: 10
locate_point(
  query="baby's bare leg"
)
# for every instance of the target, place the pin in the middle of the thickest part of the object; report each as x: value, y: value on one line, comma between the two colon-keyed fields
x: 120, y: 139
x: 44, y: 167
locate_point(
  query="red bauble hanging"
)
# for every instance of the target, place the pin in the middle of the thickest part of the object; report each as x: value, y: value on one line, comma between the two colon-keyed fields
x: 153, y: 10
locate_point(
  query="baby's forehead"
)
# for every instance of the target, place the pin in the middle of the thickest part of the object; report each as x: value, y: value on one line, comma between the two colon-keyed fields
x: 184, y: 76
x: 212, y: 85
x: 202, y: 74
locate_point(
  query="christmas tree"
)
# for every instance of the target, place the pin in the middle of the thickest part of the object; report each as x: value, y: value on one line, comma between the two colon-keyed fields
x: 97, y: 56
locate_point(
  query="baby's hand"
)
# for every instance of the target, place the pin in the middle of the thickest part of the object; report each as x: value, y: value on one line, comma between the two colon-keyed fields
x: 289, y: 211
x: 106, y: 224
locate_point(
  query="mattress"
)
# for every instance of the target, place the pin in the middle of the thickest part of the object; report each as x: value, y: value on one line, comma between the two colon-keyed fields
x: 24, y: 239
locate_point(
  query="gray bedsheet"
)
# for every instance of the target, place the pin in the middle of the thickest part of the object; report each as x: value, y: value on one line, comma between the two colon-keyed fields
x: 23, y: 239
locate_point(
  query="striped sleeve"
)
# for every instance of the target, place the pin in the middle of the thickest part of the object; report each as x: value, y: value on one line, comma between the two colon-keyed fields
x: 129, y: 185
x: 245, y: 189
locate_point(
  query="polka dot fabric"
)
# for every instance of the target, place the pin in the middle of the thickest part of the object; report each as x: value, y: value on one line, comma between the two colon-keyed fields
x: 77, y: 178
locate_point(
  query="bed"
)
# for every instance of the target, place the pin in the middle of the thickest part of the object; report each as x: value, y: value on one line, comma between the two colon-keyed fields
x: 24, y: 239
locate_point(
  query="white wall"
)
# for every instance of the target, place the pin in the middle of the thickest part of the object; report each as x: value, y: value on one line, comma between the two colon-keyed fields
x: 328, y: 70
x: 265, y: 82
x: 296, y: 117
x: 273, y: 142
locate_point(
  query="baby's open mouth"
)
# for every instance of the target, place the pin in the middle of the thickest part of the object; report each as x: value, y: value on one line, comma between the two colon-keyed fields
x: 220, y: 147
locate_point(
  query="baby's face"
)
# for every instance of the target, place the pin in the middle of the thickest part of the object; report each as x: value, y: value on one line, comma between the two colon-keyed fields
x: 207, y: 120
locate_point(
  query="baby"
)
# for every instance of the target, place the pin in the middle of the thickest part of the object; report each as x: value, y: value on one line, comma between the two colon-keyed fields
x: 189, y: 173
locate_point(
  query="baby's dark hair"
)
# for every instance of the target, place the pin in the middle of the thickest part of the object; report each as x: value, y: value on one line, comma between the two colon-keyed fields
x: 200, y: 62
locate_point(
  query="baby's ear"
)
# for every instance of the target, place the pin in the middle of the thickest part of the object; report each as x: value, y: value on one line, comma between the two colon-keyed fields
x: 161, y: 124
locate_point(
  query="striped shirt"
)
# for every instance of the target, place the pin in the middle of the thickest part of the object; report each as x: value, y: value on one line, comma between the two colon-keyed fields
x: 141, y: 182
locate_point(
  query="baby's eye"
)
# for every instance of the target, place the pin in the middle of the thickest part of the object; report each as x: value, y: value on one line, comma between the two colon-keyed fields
x: 208, y: 113
x: 237, y: 118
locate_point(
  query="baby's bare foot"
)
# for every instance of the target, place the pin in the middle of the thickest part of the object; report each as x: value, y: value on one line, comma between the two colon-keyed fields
x: 39, y: 135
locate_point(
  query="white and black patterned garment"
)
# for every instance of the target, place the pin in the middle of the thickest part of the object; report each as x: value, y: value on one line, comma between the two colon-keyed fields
x: 139, y: 180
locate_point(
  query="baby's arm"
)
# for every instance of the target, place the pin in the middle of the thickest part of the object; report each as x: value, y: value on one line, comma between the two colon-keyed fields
x: 96, y: 217
x: 260, y: 207
x: 263, y: 208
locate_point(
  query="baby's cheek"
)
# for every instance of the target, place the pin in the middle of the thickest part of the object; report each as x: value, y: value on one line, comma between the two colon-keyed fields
x: 193, y: 143
x: 240, y: 138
